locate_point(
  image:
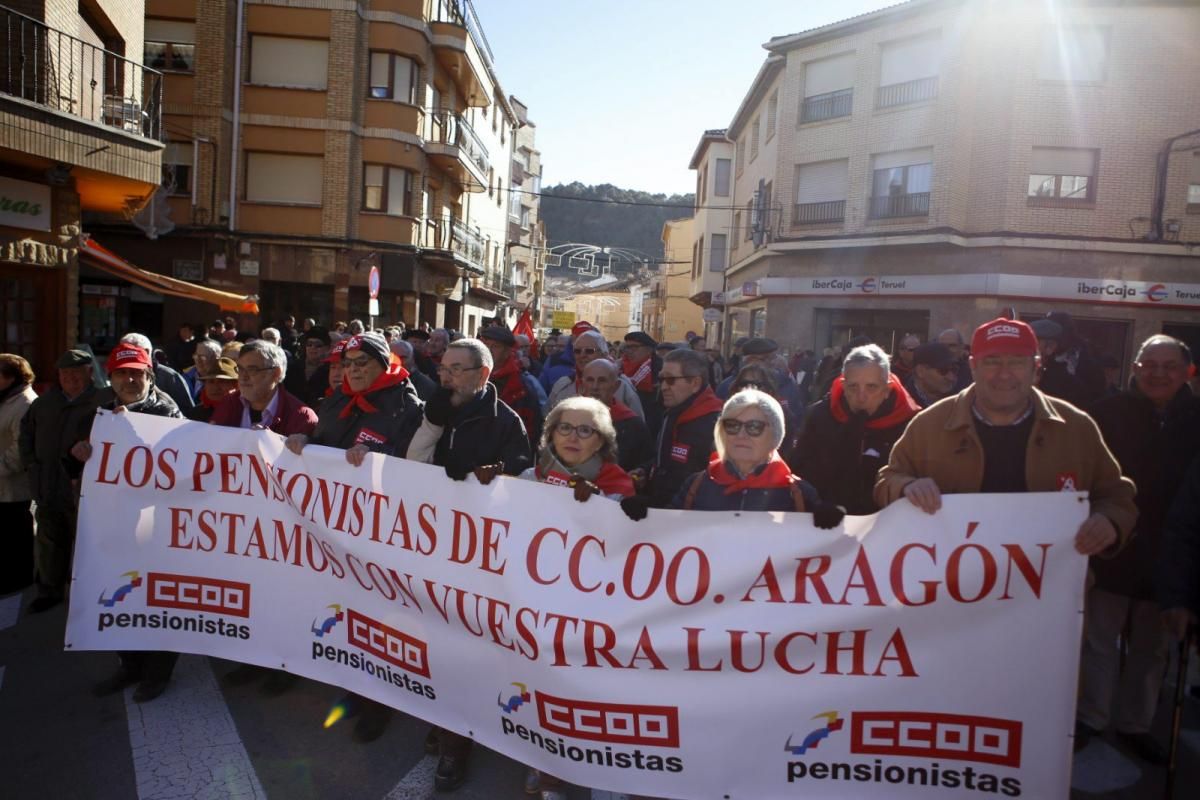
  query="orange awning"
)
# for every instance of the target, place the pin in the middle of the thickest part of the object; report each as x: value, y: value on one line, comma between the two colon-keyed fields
x: 110, y: 262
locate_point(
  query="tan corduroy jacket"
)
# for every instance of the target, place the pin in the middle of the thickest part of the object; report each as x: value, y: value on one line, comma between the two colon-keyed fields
x: 1065, y: 451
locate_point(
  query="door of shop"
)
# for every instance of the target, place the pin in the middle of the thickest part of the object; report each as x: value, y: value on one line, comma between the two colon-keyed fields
x: 835, y: 327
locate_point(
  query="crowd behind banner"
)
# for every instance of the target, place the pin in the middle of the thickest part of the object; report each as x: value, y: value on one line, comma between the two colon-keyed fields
x: 1011, y: 407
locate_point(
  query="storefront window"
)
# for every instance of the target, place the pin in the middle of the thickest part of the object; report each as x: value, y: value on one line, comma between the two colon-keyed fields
x: 103, y: 315
x: 758, y: 323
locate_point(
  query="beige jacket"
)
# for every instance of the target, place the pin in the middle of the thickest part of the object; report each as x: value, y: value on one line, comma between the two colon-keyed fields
x: 14, y: 481
x: 1065, y: 449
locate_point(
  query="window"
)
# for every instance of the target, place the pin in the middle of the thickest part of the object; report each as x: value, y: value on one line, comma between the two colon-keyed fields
x: 900, y: 184
x: 772, y: 112
x: 1074, y: 54
x: 721, y: 179
x: 1059, y: 174
x: 1194, y: 181
x: 170, y: 45
x: 525, y: 218
x: 393, y: 77
x: 717, y: 257
x: 755, y: 135
x: 279, y: 178
x: 514, y: 204
x: 698, y: 258
x: 291, y: 63
x: 909, y: 71
x: 703, y: 184
x: 741, y: 155
x: 387, y: 189
x: 499, y: 192
x: 177, y: 158
x: 828, y: 88
x: 821, y: 192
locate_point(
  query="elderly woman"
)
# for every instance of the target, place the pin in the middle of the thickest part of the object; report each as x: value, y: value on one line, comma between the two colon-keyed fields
x: 746, y: 473
x: 16, y: 522
x: 758, y: 376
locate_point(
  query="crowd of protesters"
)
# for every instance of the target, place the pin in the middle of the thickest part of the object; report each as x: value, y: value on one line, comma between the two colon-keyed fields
x: 1015, y: 408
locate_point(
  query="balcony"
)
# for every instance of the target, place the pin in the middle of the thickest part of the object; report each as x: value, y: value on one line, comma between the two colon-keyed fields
x: 455, y: 148
x: 53, y: 69
x: 827, y: 106
x: 899, y: 94
x: 461, y: 47
x: 900, y: 205
x: 819, y: 213
x: 495, y: 285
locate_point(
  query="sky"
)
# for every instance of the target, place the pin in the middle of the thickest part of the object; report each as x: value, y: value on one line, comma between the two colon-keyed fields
x: 621, y: 90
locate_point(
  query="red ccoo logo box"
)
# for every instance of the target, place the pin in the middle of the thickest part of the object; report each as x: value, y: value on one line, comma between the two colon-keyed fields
x: 930, y: 735
x: 194, y: 593
x: 393, y: 646
x: 619, y: 723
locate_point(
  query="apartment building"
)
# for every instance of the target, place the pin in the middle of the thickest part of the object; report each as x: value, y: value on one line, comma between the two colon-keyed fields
x: 938, y: 162
x: 526, y: 232
x: 308, y: 142
x: 80, y: 131
x: 668, y: 315
x: 713, y: 224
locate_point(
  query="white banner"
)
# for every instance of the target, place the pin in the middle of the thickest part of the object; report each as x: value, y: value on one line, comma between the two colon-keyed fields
x: 709, y: 655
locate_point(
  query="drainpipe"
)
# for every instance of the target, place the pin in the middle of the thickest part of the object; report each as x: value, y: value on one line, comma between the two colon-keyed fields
x: 234, y: 149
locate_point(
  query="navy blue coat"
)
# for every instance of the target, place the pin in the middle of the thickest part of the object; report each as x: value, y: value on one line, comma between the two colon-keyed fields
x: 710, y: 496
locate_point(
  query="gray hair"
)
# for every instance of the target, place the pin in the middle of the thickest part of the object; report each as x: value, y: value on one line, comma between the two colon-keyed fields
x: 481, y: 356
x: 209, y: 346
x: 958, y: 337
x: 1185, y: 352
x: 693, y: 364
x: 868, y: 355
x: 355, y: 326
x: 402, y: 349
x: 271, y: 353
x: 750, y: 398
x: 598, y: 336
x: 270, y: 334
x: 138, y: 340
x: 601, y: 420
x: 522, y: 340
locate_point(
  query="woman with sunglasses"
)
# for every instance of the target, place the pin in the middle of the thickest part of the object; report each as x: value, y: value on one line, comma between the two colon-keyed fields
x: 746, y: 473
x: 757, y: 376
x: 579, y: 451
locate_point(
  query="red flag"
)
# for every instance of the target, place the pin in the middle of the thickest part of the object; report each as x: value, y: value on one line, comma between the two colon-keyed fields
x: 524, y: 327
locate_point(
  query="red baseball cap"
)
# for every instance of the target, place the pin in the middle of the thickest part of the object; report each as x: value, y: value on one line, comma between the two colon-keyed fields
x: 128, y: 356
x: 582, y: 326
x: 1002, y: 336
x: 335, y: 352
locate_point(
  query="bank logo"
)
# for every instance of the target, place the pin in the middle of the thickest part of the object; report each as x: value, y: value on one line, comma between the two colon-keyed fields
x: 868, y: 286
x: 328, y: 625
x: 123, y: 591
x: 514, y: 701
x: 1157, y: 293
x: 197, y: 593
x: 833, y: 723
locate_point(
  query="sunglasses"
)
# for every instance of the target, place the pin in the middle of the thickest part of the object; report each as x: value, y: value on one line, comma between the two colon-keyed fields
x: 587, y: 351
x: 359, y: 363
x: 754, y: 427
x: 582, y: 431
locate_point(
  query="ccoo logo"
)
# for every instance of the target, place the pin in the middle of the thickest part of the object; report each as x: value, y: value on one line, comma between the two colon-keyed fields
x: 123, y: 591
x: 1157, y: 293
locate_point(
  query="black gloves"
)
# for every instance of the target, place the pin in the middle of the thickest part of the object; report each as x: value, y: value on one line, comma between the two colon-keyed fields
x: 439, y: 410
x: 635, y: 507
x: 456, y: 473
x: 827, y: 515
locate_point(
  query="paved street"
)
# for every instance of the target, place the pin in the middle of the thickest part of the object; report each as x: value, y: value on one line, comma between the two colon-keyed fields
x: 202, y: 741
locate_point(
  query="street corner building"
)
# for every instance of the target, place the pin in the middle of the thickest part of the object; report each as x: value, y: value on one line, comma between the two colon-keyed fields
x: 938, y: 162
x: 168, y: 161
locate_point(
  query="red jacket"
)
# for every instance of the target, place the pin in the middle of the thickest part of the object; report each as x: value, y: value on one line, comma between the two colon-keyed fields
x: 291, y: 416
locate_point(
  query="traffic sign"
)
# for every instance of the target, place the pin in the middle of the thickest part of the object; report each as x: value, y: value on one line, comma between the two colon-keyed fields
x: 373, y: 282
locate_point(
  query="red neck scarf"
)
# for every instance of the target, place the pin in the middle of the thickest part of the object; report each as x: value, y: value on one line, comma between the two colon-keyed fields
x: 620, y: 411
x: 208, y: 402
x: 507, y: 378
x: 611, y: 479
x: 704, y: 403
x: 903, y: 407
x: 775, y: 474
x: 641, y: 375
x: 393, y: 375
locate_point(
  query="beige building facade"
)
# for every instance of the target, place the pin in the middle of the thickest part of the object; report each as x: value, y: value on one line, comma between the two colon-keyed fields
x: 937, y: 163
x: 668, y: 313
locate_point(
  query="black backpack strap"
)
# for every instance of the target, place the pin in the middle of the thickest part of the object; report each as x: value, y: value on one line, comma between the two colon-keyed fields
x: 797, y: 494
x: 689, y: 501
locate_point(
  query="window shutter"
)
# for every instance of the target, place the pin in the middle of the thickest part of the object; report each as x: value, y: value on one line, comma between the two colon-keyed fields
x: 178, y: 153
x: 829, y: 75
x: 277, y: 178
x: 397, y: 191
x: 910, y: 60
x: 301, y: 63
x: 1061, y: 161
x: 402, y: 83
x: 165, y: 30
x: 822, y: 182
x: 904, y: 158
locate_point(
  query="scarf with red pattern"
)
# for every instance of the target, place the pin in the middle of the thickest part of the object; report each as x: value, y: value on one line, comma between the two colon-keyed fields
x: 641, y: 375
x: 393, y: 375
x: 775, y: 474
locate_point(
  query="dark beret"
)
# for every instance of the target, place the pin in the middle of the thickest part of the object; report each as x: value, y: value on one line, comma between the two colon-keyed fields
x: 498, y: 333
x: 74, y: 358
x: 318, y: 332
x: 642, y: 338
x: 760, y: 347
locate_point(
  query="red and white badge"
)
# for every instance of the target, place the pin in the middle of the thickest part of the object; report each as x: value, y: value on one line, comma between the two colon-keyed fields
x: 1067, y: 482
x: 368, y: 436
x: 679, y: 452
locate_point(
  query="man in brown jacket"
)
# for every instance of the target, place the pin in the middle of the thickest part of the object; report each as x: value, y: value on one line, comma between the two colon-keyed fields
x: 1003, y: 435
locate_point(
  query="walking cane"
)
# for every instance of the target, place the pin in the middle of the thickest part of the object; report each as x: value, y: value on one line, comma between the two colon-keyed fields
x: 1185, y: 648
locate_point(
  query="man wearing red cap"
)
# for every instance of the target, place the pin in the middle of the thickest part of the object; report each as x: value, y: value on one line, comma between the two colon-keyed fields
x: 1003, y: 435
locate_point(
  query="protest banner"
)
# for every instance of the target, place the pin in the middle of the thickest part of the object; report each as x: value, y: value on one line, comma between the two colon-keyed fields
x: 693, y: 654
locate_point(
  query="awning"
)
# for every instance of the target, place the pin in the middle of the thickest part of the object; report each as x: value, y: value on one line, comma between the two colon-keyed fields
x: 110, y: 262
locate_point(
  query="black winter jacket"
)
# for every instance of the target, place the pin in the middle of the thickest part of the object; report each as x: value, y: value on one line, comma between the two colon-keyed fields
x: 1179, y: 583
x: 710, y: 496
x: 685, y: 443
x: 157, y: 404
x: 50, y: 428
x: 387, y: 430
x: 483, y: 432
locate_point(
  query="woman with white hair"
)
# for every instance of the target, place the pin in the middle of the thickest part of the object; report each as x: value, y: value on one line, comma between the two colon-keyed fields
x: 746, y: 473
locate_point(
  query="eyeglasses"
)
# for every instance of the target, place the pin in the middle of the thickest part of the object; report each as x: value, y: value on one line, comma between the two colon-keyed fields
x: 455, y: 369
x: 359, y: 363
x: 582, y: 431
x: 670, y: 380
x: 754, y: 427
x: 586, y: 351
x: 251, y: 372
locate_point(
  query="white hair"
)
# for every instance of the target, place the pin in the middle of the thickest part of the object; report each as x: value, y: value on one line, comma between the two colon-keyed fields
x: 138, y: 340
x: 270, y: 334
x: 210, y: 347
x: 750, y: 398
x: 868, y: 355
x: 603, y: 348
x: 271, y: 353
x: 482, y: 357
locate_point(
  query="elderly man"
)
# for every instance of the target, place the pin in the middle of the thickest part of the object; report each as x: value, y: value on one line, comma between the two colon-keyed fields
x: 310, y: 382
x: 587, y: 347
x: 902, y: 360
x: 934, y: 374
x: 953, y: 339
x: 54, y: 423
x: 635, y: 446
x: 132, y: 374
x: 848, y: 435
x: 261, y: 401
x: 165, y: 376
x: 468, y: 429
x: 518, y: 389
x: 204, y: 362
x: 216, y: 387
x: 1154, y: 432
x: 528, y: 363
x: 641, y: 365
x: 1003, y: 435
x: 685, y: 441
x: 404, y: 351
x: 765, y: 351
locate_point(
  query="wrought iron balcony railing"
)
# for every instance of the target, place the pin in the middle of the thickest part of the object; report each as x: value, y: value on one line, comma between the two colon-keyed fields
x: 900, y: 205
x: 827, y: 106
x: 811, y: 213
x: 450, y: 128
x: 899, y: 94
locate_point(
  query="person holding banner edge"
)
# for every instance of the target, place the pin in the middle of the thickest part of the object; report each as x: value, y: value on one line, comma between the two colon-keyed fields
x: 132, y: 374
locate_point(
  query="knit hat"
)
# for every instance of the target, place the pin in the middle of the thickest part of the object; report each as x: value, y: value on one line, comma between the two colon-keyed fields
x: 373, y: 344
